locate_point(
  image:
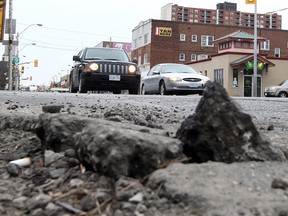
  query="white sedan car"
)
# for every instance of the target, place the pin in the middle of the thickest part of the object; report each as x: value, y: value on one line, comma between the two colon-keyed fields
x: 171, y: 78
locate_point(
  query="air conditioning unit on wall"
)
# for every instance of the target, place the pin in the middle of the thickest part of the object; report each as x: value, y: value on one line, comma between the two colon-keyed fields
x: 202, y: 56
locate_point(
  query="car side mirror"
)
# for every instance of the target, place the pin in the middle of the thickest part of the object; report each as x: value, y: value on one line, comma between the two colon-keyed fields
x: 76, y: 58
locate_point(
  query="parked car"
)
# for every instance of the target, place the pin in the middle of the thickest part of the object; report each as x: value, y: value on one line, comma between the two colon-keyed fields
x: 280, y: 90
x: 104, y: 69
x: 168, y: 78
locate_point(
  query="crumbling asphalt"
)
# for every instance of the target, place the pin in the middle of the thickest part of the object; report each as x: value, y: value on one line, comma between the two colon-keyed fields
x: 137, y: 166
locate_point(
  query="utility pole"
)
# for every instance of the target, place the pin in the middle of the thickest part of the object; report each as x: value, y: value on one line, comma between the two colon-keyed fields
x: 10, y: 45
x: 254, y: 78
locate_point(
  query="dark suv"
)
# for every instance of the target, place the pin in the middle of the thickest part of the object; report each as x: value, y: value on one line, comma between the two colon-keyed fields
x: 104, y: 69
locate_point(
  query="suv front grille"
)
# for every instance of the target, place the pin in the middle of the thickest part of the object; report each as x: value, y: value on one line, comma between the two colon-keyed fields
x: 115, y: 68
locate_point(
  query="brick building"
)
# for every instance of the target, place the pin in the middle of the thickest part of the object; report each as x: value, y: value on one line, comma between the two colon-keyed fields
x: 225, y: 14
x: 233, y: 65
x: 159, y: 41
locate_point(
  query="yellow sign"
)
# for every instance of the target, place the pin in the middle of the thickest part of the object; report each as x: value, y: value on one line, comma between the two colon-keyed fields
x: 2, y: 18
x: 36, y: 63
x: 163, y: 31
x: 251, y: 1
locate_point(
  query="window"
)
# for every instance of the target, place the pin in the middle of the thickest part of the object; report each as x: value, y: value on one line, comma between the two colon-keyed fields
x: 207, y: 40
x: 193, y: 57
x: 265, y: 45
x: 182, y: 57
x: 202, y: 56
x: 140, y: 41
x: 277, y: 52
x: 182, y: 37
x: 235, y: 78
x: 135, y: 45
x: 145, y: 61
x: 154, y: 70
x: 139, y: 60
x: 194, y: 38
x: 146, y: 38
x: 219, y: 76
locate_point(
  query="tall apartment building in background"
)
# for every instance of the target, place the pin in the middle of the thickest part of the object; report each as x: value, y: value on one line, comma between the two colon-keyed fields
x: 225, y: 14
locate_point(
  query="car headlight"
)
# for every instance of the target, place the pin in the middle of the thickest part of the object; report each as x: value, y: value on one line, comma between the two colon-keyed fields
x: 94, y: 66
x: 205, y: 79
x: 174, y: 79
x: 132, y: 69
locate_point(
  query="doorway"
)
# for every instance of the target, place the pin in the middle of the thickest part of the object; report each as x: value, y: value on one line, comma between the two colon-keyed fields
x: 248, y: 86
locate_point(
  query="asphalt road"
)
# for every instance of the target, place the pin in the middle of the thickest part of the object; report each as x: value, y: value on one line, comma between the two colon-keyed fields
x: 32, y: 102
x: 222, y: 185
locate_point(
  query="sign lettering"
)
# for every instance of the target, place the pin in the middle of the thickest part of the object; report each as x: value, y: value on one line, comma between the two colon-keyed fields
x: 163, y: 31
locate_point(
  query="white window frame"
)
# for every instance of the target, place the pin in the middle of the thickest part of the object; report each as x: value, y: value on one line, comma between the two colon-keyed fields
x: 145, y: 58
x: 193, y: 57
x: 205, y: 40
x: 182, y: 37
x: 265, y: 45
x: 194, y: 38
x: 277, y: 52
x: 182, y: 57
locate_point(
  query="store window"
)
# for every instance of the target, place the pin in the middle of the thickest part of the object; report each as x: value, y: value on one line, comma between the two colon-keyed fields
x: 235, y: 78
x: 219, y: 76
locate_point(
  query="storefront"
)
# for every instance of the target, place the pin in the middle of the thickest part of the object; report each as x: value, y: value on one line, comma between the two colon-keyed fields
x: 233, y: 66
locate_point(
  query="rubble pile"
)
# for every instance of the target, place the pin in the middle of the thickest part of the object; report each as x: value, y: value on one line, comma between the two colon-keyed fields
x: 217, y: 164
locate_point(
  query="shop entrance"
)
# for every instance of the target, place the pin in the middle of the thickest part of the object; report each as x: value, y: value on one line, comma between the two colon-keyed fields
x: 248, y: 86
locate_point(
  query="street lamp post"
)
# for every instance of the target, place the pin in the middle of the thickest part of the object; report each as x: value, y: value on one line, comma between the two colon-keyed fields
x: 17, y: 76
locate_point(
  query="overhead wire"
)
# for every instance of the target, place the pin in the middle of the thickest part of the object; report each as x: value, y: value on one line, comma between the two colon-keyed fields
x: 64, y: 47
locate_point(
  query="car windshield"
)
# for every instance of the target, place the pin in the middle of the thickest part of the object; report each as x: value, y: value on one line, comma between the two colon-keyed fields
x: 106, y: 54
x: 284, y: 83
x: 178, y: 69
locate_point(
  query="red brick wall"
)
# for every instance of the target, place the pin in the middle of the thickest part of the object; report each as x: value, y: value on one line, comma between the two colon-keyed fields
x: 167, y: 49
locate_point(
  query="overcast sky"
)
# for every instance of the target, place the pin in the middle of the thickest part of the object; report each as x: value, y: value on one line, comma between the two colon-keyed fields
x: 70, y: 25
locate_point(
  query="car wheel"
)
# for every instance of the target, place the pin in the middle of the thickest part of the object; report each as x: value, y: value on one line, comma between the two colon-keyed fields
x: 283, y: 95
x: 143, y: 90
x: 82, y: 88
x: 162, y: 88
x: 71, y: 86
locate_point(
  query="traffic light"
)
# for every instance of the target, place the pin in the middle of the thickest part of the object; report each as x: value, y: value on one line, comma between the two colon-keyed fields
x: 5, y: 74
x: 251, y: 1
x: 22, y: 69
x: 30, y: 78
x: 36, y: 63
